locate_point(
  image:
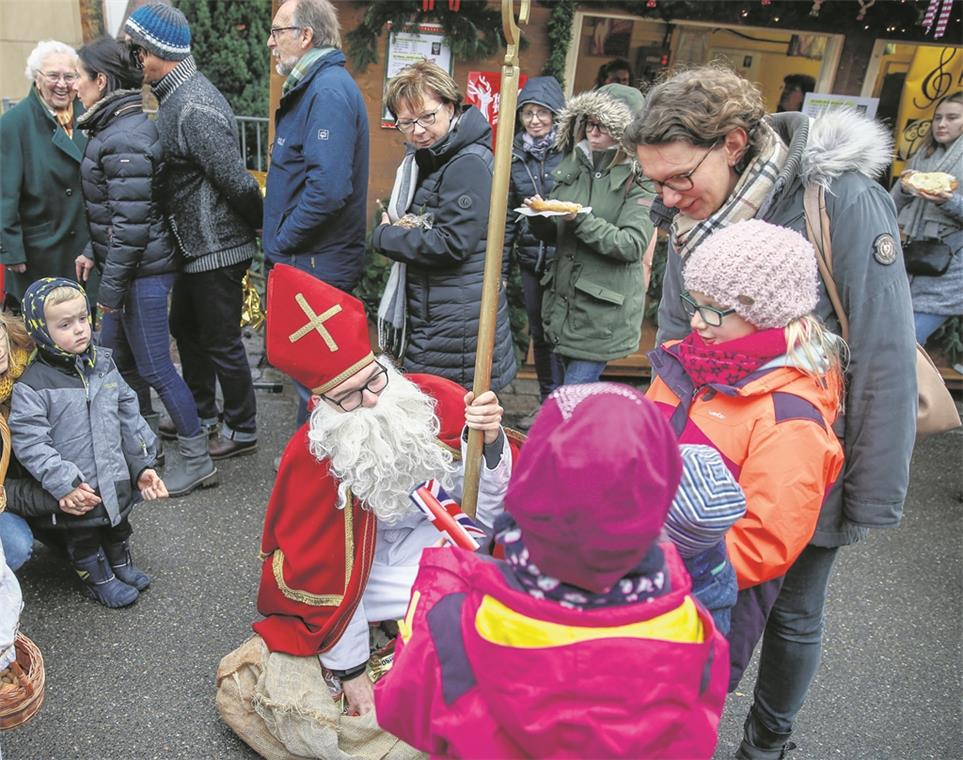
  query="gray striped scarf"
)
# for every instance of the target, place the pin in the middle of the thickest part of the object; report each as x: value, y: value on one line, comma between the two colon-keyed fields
x: 749, y: 194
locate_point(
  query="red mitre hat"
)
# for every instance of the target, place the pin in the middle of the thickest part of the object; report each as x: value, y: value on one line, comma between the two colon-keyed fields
x: 316, y: 334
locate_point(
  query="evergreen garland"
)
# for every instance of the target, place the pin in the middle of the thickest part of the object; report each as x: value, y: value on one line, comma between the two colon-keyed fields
x: 559, y: 31
x: 472, y: 32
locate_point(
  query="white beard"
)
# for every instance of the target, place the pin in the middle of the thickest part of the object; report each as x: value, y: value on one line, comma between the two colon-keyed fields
x: 381, y: 453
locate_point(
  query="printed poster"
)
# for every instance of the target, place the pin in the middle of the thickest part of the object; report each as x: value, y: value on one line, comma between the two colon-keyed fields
x: 410, y: 45
x: 484, y: 92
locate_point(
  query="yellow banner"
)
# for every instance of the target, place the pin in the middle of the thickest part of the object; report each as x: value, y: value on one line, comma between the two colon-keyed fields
x: 934, y: 73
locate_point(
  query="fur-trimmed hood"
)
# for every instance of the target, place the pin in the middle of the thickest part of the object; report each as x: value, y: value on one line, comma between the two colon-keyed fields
x: 613, y: 106
x: 114, y: 103
x: 822, y: 149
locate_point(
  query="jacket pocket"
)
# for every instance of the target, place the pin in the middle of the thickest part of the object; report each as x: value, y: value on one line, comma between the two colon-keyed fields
x: 38, y: 233
x: 599, y: 291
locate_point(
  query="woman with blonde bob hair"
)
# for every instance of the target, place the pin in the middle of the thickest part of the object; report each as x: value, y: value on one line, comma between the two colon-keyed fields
x: 435, y: 230
x: 707, y: 148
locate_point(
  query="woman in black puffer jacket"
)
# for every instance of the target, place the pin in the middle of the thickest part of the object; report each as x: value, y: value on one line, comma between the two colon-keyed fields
x: 441, y: 198
x: 534, y: 158
x: 132, y: 247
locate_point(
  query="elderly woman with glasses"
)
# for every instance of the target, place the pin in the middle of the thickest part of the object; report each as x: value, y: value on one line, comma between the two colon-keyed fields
x: 43, y: 226
x: 594, y: 292
x: 534, y: 158
x: 715, y: 158
x: 435, y: 231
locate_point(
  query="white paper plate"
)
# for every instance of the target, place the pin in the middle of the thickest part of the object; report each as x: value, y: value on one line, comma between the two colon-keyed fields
x: 526, y: 211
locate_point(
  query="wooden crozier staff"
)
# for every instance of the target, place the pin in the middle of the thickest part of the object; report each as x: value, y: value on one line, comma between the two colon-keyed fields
x: 496, y: 239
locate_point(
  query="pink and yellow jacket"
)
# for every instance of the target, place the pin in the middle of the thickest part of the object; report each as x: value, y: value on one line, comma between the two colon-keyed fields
x: 484, y: 670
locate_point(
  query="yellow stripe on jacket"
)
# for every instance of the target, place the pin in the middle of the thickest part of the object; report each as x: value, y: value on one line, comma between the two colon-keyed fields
x: 502, y: 625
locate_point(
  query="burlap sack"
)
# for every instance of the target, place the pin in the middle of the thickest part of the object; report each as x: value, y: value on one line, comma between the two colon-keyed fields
x: 282, y: 708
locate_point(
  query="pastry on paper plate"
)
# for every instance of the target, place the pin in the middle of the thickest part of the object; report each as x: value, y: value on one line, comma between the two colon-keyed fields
x: 932, y: 182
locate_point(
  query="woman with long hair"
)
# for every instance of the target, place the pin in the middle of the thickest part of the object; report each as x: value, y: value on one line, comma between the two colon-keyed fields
x: 133, y: 249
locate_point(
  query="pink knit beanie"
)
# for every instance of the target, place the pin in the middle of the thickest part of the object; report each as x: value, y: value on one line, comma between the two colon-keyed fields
x: 766, y: 273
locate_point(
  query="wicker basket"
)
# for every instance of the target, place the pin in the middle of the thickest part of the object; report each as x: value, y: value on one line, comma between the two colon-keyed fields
x: 19, y: 703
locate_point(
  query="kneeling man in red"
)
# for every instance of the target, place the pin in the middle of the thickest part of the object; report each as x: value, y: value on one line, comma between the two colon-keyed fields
x: 585, y: 642
x: 342, y: 538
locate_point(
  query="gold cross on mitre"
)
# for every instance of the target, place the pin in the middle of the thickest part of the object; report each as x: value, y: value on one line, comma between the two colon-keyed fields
x: 315, y: 322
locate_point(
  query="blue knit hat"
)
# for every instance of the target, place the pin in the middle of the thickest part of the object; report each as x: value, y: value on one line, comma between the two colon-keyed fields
x: 708, y: 502
x: 160, y: 29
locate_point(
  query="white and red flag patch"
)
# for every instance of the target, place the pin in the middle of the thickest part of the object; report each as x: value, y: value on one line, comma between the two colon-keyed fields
x: 445, y: 514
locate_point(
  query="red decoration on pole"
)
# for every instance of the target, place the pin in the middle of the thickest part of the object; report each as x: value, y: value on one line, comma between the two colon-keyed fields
x: 650, y: 4
x: 427, y: 5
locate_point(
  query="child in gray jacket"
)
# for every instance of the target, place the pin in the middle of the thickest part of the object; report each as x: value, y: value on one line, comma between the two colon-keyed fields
x: 76, y: 427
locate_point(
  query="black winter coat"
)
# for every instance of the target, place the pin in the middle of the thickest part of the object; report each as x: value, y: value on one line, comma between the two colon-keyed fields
x: 446, y: 263
x: 529, y: 177
x: 120, y: 174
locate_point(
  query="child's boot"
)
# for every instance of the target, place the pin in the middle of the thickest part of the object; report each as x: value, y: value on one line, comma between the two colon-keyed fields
x: 118, y: 554
x: 197, y: 470
x: 100, y: 583
x: 153, y: 422
x: 759, y: 743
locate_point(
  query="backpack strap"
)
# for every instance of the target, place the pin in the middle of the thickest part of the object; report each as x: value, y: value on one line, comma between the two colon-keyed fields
x: 818, y: 230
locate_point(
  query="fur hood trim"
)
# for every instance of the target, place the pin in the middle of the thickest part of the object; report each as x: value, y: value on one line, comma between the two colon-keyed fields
x: 608, y: 111
x: 843, y: 141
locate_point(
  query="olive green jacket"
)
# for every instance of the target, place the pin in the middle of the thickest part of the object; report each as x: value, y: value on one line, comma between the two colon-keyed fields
x: 594, y: 296
x: 42, y: 220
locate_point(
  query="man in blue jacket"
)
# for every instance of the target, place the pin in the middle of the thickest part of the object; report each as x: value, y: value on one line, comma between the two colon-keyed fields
x: 315, y: 209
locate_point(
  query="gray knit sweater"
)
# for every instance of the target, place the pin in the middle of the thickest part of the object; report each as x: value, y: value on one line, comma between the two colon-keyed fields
x: 212, y: 203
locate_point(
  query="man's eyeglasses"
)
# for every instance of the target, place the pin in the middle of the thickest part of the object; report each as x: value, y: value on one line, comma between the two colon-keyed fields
x: 55, y: 76
x: 591, y: 124
x: 709, y: 314
x: 681, y: 183
x: 273, y: 34
x: 354, y: 399
x: 136, y: 54
x: 406, y: 126
x: 541, y: 114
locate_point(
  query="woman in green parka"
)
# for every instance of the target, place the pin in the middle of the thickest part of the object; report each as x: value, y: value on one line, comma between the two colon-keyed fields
x: 42, y: 223
x: 594, y: 297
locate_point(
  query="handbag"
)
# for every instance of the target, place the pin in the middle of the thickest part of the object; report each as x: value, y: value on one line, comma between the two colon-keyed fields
x: 929, y: 257
x: 936, y: 410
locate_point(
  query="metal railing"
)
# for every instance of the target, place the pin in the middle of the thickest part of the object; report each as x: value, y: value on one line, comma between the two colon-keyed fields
x: 253, y: 132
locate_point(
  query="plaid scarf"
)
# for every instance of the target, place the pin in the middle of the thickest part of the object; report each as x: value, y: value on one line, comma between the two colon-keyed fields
x: 643, y: 582
x: 302, y: 67
x: 749, y: 194
x: 538, y: 147
x: 731, y: 361
x: 36, y: 322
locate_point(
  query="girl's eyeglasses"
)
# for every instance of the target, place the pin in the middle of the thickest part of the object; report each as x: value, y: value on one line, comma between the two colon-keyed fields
x: 709, y: 314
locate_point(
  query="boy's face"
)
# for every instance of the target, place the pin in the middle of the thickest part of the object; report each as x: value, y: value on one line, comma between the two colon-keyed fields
x: 69, y: 324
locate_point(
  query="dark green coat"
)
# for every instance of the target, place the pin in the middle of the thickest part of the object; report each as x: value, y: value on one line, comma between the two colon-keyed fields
x: 592, y: 307
x: 42, y: 221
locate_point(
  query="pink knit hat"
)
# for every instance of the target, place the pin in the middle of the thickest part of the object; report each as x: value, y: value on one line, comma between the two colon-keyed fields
x: 766, y: 273
x: 594, y: 483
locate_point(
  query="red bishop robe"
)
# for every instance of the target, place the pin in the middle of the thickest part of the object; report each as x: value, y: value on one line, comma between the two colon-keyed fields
x: 317, y: 557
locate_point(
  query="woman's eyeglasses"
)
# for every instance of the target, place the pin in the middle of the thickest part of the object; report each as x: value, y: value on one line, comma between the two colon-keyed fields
x: 354, y: 399
x: 592, y: 125
x: 55, y: 76
x: 680, y: 183
x: 539, y: 113
x: 709, y: 314
x: 408, y: 125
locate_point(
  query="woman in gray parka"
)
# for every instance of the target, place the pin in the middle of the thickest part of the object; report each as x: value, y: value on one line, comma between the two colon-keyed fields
x: 706, y: 146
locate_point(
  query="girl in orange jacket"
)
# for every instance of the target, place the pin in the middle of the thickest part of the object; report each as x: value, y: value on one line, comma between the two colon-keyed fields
x: 758, y: 379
